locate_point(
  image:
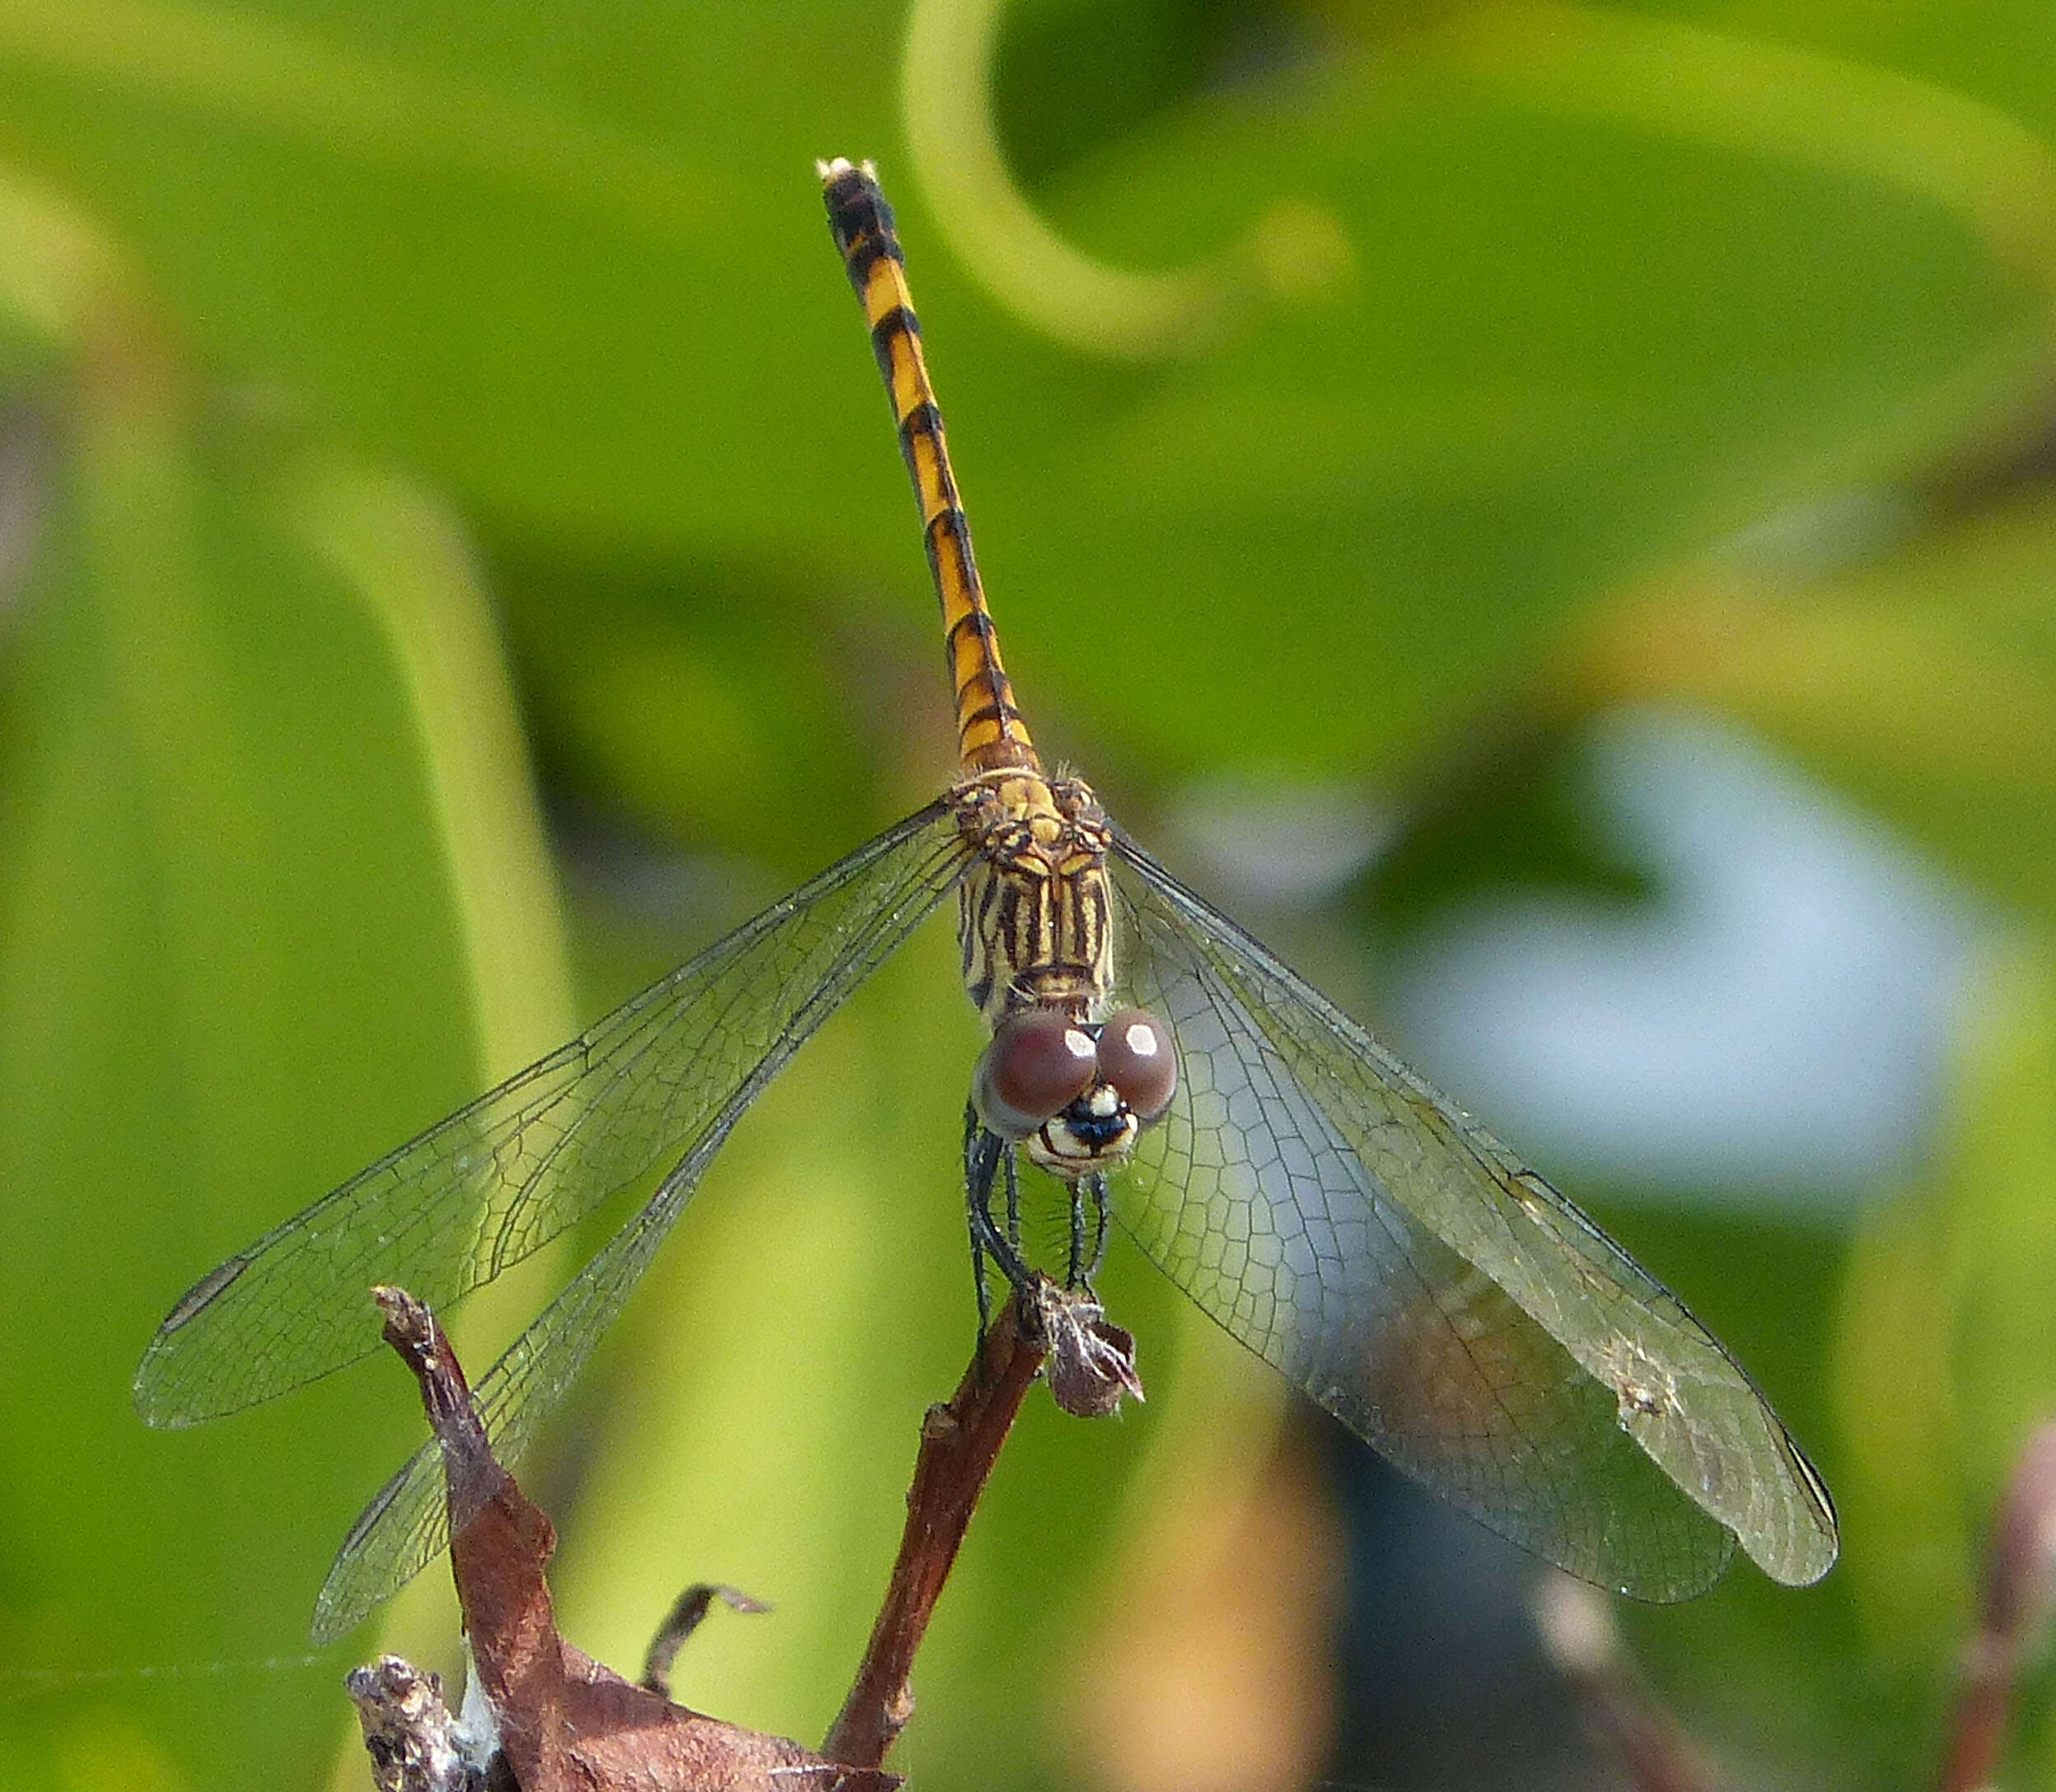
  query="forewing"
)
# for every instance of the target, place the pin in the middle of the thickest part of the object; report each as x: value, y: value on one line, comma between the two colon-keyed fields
x: 660, y: 1076
x: 1347, y: 1223
x: 409, y: 1522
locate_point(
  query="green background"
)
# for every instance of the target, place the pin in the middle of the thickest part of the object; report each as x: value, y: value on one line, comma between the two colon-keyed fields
x: 413, y: 406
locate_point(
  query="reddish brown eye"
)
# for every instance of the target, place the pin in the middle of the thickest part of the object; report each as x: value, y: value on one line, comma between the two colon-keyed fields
x: 1136, y: 1058
x: 1038, y: 1064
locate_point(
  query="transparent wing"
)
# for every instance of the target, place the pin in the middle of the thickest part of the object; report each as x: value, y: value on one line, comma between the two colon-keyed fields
x: 664, y: 1074
x: 909, y: 871
x: 409, y: 1522
x: 1351, y: 1226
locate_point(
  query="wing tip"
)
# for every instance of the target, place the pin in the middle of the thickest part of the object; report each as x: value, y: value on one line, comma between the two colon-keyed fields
x: 157, y: 1393
x: 160, y: 1401
x: 1801, y: 1563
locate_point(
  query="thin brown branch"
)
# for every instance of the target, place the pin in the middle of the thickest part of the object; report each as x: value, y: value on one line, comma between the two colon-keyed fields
x: 2020, y: 1579
x: 561, y: 1722
x: 1093, y: 1367
x: 960, y: 1443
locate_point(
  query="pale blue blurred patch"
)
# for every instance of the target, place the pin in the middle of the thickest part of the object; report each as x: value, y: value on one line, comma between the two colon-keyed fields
x: 1774, y: 1023
x: 1276, y: 843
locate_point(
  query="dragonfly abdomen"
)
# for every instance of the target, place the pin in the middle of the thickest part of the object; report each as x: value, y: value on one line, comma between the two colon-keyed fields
x: 991, y: 733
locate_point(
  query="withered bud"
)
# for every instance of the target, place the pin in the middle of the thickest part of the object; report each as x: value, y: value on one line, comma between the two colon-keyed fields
x: 1092, y: 1363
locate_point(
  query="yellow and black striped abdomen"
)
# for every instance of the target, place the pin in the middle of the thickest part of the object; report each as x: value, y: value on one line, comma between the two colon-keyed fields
x: 991, y: 735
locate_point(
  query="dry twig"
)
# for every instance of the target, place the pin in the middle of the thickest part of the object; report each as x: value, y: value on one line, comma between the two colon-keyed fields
x: 1092, y: 1365
x: 553, y: 1718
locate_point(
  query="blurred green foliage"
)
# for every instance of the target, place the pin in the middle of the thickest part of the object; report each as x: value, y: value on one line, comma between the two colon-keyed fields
x: 329, y: 325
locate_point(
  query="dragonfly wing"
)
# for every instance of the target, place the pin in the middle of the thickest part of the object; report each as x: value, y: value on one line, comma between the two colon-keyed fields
x: 661, y: 1075
x: 409, y: 1522
x: 1353, y: 1228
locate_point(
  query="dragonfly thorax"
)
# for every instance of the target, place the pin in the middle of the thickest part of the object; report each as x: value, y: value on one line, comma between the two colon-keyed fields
x: 1034, y: 911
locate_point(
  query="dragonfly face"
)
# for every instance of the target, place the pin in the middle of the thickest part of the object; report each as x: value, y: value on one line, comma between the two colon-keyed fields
x: 1062, y: 1080
x: 1340, y: 1218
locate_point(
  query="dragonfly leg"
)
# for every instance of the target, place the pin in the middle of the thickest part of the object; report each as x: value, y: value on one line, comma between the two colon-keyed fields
x: 977, y: 1163
x: 1095, y: 1185
x: 1074, y: 1273
x: 977, y: 1282
x: 1093, y: 1189
x: 984, y: 1151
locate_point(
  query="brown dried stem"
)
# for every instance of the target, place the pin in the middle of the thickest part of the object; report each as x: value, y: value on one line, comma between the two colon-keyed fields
x: 1091, y: 1371
x: 563, y: 1721
x: 2020, y: 1580
x: 960, y: 1443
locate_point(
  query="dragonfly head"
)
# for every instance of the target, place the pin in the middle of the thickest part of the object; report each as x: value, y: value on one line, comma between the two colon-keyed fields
x: 1075, y: 1093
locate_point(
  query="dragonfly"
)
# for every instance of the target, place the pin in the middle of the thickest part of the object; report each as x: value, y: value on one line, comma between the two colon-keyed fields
x: 1327, y: 1207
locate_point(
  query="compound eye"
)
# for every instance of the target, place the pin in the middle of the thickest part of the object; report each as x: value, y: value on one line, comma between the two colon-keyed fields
x: 1038, y: 1064
x: 1136, y: 1058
